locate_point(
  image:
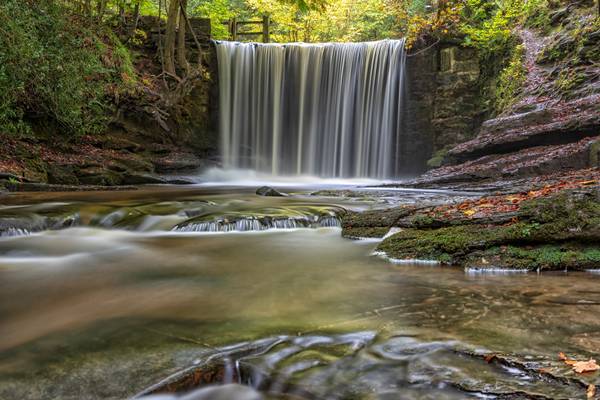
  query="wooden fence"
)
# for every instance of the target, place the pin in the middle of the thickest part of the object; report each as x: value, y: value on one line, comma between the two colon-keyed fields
x: 237, y: 34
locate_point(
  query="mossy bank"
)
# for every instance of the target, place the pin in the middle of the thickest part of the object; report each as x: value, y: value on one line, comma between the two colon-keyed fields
x: 556, y: 232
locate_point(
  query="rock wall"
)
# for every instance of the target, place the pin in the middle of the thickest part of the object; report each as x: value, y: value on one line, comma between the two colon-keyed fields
x: 442, y: 103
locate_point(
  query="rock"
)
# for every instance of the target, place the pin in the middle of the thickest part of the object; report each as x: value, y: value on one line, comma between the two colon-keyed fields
x: 559, y: 15
x: 559, y: 123
x: 8, y: 176
x: 117, y: 143
x: 62, y: 174
x: 177, y: 162
x: 180, y: 181
x: 98, y: 176
x: 269, y: 192
x: 133, y: 178
x: 595, y: 154
x: 556, y: 232
x: 539, y: 160
x: 225, y: 392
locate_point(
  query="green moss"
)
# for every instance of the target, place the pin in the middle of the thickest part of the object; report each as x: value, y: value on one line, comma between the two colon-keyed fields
x: 437, y: 159
x: 511, y: 80
x: 422, y: 220
x: 365, y: 232
x: 447, y: 245
x: 548, y: 257
x: 546, y: 225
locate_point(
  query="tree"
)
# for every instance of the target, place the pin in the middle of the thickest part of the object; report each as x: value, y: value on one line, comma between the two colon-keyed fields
x: 181, y: 59
x: 170, y: 36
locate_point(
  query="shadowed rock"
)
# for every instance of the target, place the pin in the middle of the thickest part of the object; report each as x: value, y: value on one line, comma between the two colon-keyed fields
x: 269, y: 192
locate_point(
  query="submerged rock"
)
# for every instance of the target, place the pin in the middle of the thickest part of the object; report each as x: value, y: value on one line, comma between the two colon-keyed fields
x: 225, y: 392
x: 269, y: 192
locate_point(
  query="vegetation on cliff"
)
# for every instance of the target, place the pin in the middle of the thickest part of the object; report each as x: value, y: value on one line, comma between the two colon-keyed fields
x: 58, y: 71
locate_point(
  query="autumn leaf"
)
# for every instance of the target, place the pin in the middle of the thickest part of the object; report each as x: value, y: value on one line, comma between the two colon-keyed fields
x: 582, y: 367
x: 591, y: 391
x: 470, y: 212
x: 565, y: 359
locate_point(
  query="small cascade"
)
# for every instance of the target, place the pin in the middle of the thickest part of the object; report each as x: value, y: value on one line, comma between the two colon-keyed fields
x: 29, y: 224
x: 259, y: 224
x: 13, y: 232
x: 329, y: 110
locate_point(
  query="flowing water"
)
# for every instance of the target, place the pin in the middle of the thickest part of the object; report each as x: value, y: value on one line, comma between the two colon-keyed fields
x: 105, y: 295
x: 329, y: 110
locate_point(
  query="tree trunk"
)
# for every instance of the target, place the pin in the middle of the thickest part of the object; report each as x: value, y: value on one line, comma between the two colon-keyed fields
x: 170, y: 36
x: 136, y: 20
x: 181, y: 59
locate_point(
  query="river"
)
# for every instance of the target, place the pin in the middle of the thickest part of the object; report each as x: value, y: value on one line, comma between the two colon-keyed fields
x: 107, y: 293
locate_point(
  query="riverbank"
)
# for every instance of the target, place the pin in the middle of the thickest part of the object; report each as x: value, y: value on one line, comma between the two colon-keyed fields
x: 537, y: 224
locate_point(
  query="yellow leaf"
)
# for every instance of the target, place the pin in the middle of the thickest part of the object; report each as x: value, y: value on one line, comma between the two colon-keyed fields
x: 591, y: 391
x: 470, y: 212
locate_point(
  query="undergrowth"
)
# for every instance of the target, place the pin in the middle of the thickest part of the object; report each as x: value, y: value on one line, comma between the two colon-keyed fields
x: 58, y: 70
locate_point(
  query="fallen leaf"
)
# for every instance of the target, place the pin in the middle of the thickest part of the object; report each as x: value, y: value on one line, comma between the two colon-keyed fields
x: 489, y: 358
x: 470, y: 212
x: 585, y: 366
x: 565, y: 359
x: 591, y: 391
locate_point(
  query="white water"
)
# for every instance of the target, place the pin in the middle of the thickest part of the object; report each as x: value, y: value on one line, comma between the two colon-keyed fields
x: 327, y: 110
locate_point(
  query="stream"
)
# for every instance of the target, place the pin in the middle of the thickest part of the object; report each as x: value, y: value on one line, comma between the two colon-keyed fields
x: 109, y: 295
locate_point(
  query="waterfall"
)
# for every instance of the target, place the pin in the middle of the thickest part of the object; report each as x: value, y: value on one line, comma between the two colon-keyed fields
x: 328, y: 110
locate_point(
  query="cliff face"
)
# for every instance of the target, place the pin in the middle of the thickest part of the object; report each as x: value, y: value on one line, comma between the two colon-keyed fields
x: 554, y: 123
x: 443, y: 101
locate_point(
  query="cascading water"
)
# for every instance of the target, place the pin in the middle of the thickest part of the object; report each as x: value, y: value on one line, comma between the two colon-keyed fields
x: 330, y: 110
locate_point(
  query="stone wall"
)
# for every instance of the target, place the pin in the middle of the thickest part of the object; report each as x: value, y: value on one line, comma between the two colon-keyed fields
x: 442, y: 103
x: 417, y: 128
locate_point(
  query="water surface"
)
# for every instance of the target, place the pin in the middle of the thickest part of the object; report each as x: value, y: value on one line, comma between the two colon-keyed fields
x: 118, y: 299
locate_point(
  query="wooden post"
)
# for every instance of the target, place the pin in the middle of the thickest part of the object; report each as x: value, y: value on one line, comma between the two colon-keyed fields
x: 234, y: 27
x: 266, y: 27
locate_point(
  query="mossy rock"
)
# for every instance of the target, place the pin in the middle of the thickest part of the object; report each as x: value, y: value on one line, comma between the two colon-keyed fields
x: 571, y: 256
x: 546, y: 236
x: 62, y: 175
x: 366, y: 232
x: 96, y: 176
x: 438, y: 159
x: 375, y: 223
